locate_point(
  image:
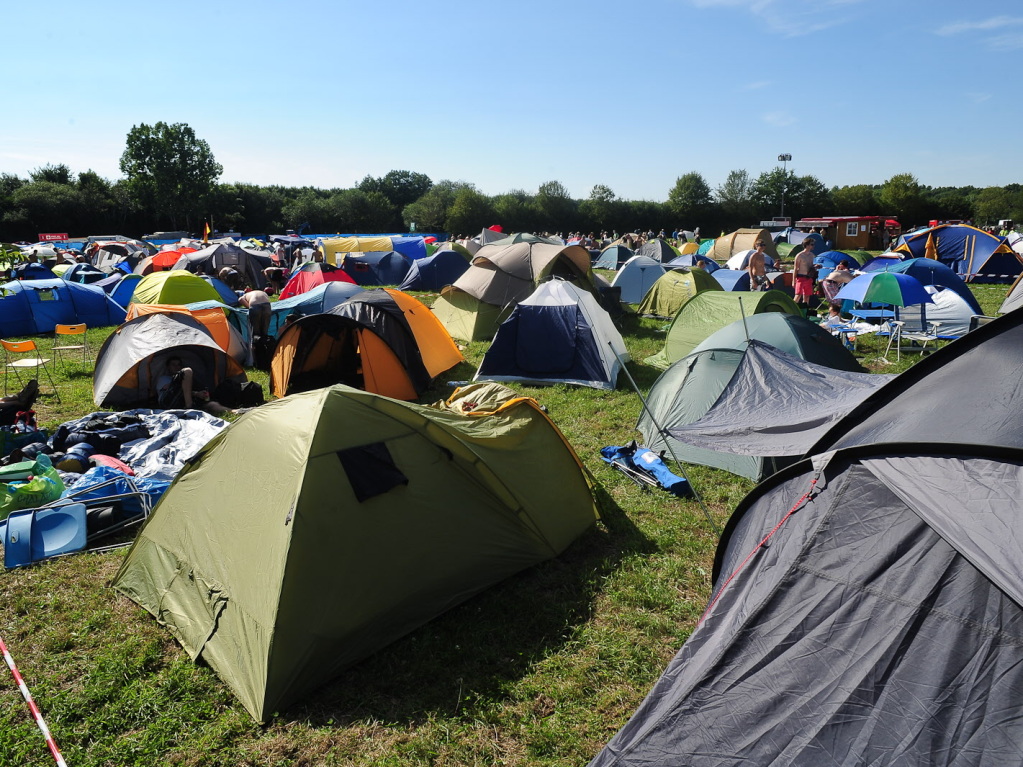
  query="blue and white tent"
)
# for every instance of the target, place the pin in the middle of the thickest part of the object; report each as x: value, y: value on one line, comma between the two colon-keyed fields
x: 30, y: 307
x: 560, y: 334
x: 636, y: 277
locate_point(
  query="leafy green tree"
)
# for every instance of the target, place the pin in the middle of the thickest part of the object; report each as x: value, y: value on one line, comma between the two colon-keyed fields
x: 689, y: 200
x: 401, y: 187
x: 802, y: 195
x: 170, y: 171
x: 470, y: 212
x: 995, y: 203
x: 901, y: 196
x: 856, y: 200
x: 309, y: 207
x: 56, y: 174
x: 735, y: 200
x: 950, y: 203
x: 555, y: 207
x: 515, y: 211
x: 43, y: 206
x: 600, y: 210
x: 644, y: 215
x: 430, y: 212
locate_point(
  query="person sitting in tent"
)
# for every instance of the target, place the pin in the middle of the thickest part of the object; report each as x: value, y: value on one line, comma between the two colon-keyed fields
x: 757, y: 268
x: 175, y: 390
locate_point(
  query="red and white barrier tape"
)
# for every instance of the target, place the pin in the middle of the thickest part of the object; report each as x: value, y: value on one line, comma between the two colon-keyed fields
x: 32, y: 706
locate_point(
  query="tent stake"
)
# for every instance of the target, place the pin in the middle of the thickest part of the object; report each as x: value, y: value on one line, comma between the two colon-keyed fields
x: 665, y: 436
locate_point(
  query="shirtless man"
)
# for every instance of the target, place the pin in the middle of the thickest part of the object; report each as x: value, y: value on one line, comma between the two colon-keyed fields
x: 757, y: 268
x: 803, y: 274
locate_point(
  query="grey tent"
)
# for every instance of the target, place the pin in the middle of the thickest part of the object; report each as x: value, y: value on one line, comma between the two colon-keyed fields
x: 868, y: 601
x: 777, y: 404
x: 135, y: 355
x: 690, y: 387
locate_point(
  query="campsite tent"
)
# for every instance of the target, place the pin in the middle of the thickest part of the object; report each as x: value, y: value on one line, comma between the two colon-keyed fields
x: 690, y: 387
x: 223, y: 255
x: 949, y: 310
x: 740, y: 240
x: 434, y: 272
x: 613, y: 257
x: 213, y: 318
x: 738, y: 280
x: 499, y: 277
x: 174, y: 287
x: 368, y: 342
x: 740, y: 261
x: 83, y: 273
x: 374, y: 517
x: 975, y: 255
x: 636, y: 277
x: 690, y: 260
x: 336, y: 248
x: 320, y: 299
x: 29, y: 307
x: 658, y: 250
x: 711, y: 310
x: 135, y: 355
x: 867, y: 599
x: 931, y: 272
x: 308, y: 276
x: 674, y: 288
x: 376, y: 267
x: 120, y: 287
x: 559, y: 334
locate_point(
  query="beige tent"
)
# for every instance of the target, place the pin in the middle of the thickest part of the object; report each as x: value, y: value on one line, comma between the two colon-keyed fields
x: 727, y: 245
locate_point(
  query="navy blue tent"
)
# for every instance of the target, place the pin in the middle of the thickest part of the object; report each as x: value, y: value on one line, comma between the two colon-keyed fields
x: 85, y: 274
x: 32, y: 271
x: 29, y: 307
x: 434, y: 272
x: 120, y: 287
x: 377, y: 267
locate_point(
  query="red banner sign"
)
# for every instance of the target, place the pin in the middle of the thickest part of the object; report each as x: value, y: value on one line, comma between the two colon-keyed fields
x: 52, y: 236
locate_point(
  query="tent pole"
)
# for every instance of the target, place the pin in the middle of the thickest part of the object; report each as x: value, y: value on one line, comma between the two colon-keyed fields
x: 742, y: 313
x: 664, y: 434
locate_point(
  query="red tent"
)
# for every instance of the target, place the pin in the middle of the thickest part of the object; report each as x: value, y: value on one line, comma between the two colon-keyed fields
x: 311, y: 275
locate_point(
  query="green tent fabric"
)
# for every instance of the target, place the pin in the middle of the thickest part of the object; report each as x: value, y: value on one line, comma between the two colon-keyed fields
x: 709, y: 311
x: 673, y: 289
x: 176, y: 287
x: 320, y: 527
x: 466, y: 317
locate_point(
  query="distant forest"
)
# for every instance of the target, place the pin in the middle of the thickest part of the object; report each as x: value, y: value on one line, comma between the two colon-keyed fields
x: 172, y: 182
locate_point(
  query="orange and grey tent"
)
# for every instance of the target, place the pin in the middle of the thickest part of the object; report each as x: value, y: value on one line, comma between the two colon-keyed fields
x: 136, y: 354
x: 213, y: 318
x: 367, y: 342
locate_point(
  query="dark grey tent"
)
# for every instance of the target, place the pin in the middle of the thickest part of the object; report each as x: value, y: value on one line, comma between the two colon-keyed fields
x: 868, y: 601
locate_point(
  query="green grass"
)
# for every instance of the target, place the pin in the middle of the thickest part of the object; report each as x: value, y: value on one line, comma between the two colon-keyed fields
x: 542, y: 669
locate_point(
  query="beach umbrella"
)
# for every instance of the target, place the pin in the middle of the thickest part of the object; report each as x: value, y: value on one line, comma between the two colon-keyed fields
x: 885, y: 288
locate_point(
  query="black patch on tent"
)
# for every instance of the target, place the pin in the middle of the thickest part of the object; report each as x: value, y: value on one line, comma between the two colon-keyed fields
x: 370, y: 469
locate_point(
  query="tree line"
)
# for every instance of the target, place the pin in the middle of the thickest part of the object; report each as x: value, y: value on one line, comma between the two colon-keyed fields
x: 172, y: 182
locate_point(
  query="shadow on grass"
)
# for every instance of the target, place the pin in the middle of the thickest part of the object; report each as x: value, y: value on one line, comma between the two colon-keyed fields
x: 458, y: 663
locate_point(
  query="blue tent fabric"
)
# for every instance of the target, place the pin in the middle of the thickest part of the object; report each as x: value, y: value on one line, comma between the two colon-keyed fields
x: 413, y: 248
x: 227, y: 295
x: 434, y: 272
x: 33, y: 272
x: 84, y: 273
x: 30, y: 307
x: 319, y: 300
x: 376, y: 268
x: 544, y: 342
x: 931, y: 272
x: 709, y: 265
x: 975, y: 255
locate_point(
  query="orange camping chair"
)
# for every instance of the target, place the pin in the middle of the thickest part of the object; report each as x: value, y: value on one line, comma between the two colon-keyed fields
x: 70, y: 338
x: 25, y: 354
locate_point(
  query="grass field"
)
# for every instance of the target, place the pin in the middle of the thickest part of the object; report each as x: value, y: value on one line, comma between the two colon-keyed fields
x: 540, y: 670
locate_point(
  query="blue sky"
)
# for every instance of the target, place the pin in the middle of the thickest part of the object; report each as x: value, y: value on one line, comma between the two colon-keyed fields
x: 511, y: 95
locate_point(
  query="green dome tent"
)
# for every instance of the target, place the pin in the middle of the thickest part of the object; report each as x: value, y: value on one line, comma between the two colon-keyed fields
x: 320, y: 527
x: 174, y: 287
x: 711, y: 310
x: 673, y: 289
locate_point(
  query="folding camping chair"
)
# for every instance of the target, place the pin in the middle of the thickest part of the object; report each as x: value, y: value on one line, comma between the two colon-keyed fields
x: 918, y: 340
x: 24, y: 354
x: 74, y: 339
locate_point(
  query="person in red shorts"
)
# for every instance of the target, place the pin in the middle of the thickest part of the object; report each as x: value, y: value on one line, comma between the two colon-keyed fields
x: 803, y: 276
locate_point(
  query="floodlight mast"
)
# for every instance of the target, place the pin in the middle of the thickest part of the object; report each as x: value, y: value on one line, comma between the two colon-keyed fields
x: 784, y: 159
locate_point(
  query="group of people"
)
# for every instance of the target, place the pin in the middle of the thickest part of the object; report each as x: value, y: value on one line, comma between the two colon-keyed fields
x: 804, y: 275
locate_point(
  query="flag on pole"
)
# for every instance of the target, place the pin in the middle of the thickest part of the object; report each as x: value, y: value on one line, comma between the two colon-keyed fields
x: 206, y: 232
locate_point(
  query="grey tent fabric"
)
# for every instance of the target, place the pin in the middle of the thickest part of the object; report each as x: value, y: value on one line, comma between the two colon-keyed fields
x: 857, y: 636
x: 967, y: 392
x: 868, y: 600
x: 777, y: 404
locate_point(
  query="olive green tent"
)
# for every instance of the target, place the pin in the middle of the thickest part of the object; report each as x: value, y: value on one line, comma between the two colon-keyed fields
x: 711, y: 310
x: 673, y: 289
x: 320, y: 527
